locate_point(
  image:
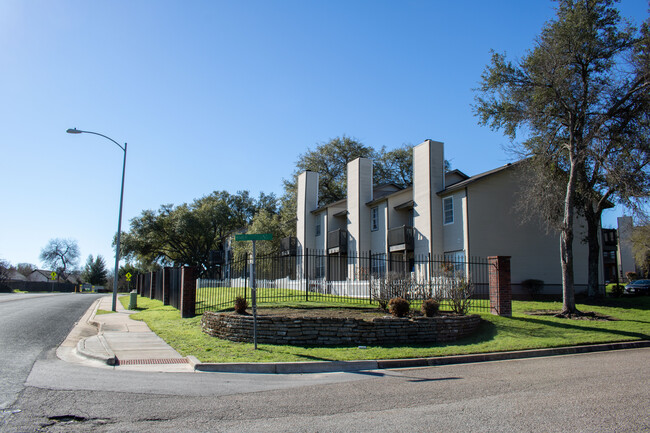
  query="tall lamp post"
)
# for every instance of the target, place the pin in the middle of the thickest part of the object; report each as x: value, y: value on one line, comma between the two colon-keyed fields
x: 119, y: 220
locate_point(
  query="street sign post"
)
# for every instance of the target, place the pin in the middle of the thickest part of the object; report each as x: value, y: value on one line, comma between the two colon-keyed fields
x: 254, y: 238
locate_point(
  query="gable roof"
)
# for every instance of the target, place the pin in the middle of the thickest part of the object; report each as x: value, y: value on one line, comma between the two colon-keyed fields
x: 480, y: 176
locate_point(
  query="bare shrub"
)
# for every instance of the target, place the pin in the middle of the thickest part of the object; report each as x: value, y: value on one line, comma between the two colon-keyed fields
x: 241, y: 304
x: 430, y: 307
x: 399, y: 307
x: 392, y: 285
x: 459, y: 295
x: 533, y: 287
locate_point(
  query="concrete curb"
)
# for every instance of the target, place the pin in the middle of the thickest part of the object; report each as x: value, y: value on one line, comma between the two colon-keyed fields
x: 109, y: 358
x: 91, y: 318
x: 343, y: 366
x: 283, y: 367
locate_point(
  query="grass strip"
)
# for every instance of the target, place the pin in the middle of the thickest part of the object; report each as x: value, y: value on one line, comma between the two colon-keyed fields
x: 521, y: 331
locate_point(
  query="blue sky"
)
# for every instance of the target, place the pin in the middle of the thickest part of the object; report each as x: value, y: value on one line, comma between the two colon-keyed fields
x: 215, y: 95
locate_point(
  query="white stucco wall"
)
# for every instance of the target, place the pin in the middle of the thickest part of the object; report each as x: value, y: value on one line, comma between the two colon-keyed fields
x: 428, y: 179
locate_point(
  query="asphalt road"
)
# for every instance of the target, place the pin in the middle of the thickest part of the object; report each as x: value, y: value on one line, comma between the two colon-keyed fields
x: 31, y: 325
x: 597, y: 392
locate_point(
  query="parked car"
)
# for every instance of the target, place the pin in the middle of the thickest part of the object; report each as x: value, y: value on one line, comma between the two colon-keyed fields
x: 638, y: 287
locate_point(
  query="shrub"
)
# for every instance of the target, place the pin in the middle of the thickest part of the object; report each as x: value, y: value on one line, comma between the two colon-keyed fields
x: 391, y: 285
x: 460, y: 295
x: 241, y: 304
x: 617, y: 290
x: 533, y: 287
x: 430, y: 307
x: 631, y: 276
x: 398, y: 307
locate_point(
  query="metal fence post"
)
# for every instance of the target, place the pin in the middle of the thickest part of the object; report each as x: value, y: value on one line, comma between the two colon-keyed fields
x: 306, y: 260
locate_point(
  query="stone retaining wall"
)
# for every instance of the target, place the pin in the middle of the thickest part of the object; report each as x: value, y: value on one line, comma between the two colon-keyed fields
x: 314, y: 331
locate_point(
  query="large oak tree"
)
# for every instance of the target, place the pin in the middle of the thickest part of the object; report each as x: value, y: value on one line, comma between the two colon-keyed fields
x: 580, y: 96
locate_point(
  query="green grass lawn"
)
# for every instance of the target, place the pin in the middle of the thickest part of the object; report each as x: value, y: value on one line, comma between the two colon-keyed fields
x: 522, y: 331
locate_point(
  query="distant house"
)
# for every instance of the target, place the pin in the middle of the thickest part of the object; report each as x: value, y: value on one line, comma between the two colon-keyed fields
x: 40, y: 275
x: 445, y: 214
x: 14, y: 275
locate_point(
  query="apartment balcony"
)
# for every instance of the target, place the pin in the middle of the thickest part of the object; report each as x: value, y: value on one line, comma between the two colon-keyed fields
x: 401, y: 239
x: 217, y: 257
x: 337, y: 242
x: 289, y: 246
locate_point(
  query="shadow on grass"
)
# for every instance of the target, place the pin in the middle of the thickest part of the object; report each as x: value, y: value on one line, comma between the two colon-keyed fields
x: 569, y: 326
x: 625, y: 302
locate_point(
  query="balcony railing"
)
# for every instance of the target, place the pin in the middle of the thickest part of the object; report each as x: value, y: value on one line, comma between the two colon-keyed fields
x: 289, y: 246
x: 217, y: 257
x: 401, y: 239
x: 337, y: 241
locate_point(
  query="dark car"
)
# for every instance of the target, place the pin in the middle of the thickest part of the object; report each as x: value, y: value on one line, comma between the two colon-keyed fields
x: 638, y: 287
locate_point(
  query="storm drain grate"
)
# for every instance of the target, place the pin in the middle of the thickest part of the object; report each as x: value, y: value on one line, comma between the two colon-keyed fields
x: 151, y: 361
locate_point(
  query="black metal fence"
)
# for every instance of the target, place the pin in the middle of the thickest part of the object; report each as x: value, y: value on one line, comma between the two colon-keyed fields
x: 343, y: 278
x: 166, y: 286
x: 175, y: 287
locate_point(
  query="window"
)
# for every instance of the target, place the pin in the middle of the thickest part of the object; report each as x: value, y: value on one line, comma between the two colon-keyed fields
x: 455, y: 262
x: 448, y: 209
x: 374, y: 219
x: 320, y: 267
x: 318, y: 229
x: 378, y: 264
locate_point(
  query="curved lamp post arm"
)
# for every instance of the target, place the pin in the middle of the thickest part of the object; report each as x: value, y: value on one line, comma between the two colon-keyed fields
x: 79, y: 131
x: 119, y: 220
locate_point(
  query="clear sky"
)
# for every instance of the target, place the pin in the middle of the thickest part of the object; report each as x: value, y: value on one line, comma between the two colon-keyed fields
x: 225, y: 95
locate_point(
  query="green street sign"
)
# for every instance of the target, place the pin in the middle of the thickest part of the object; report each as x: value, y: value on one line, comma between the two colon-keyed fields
x: 128, y: 276
x: 255, y: 237
x: 53, y: 275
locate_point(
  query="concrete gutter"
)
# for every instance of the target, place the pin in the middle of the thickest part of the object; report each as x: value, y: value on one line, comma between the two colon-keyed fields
x: 96, y: 348
x: 338, y: 366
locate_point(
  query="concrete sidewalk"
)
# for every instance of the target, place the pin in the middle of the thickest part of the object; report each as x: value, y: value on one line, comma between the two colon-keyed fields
x: 118, y: 341
x: 122, y: 342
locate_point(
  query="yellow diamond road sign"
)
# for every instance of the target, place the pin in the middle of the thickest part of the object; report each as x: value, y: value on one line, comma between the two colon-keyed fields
x: 53, y: 275
x: 128, y: 276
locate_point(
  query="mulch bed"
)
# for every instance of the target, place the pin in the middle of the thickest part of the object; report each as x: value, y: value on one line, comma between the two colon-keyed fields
x: 342, y: 313
x: 590, y: 315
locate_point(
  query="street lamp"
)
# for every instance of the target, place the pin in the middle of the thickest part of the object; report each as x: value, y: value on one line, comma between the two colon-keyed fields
x: 119, y: 220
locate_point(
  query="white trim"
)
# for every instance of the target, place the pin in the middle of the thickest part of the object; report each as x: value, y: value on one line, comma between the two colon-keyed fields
x: 444, y: 210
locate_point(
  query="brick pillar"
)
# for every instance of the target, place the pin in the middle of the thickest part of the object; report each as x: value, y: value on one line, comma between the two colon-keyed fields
x: 166, y: 275
x: 188, y: 291
x: 500, y: 292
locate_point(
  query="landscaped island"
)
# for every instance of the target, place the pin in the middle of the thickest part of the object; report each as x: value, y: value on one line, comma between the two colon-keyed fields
x: 320, y: 327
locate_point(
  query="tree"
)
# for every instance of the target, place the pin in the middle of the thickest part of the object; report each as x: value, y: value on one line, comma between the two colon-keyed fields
x: 60, y: 255
x: 185, y: 234
x: 395, y: 166
x: 581, y: 96
x: 94, y: 271
x: 5, y: 267
x: 264, y: 222
x: 25, y: 268
x: 330, y: 161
